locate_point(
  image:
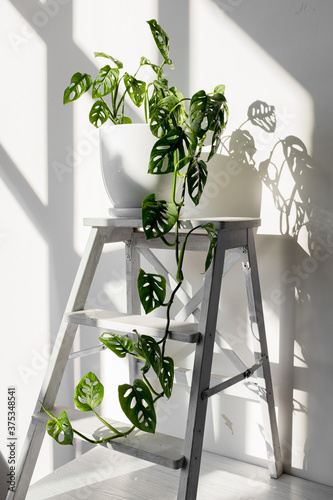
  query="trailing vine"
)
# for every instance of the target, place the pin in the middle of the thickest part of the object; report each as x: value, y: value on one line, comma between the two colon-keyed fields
x: 181, y: 126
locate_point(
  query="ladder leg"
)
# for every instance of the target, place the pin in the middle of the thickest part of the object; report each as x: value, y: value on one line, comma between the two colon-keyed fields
x: 189, y: 474
x: 58, y: 361
x: 265, y: 387
x: 133, y: 301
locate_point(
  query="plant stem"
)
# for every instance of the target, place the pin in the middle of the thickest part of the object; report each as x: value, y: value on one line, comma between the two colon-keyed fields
x: 150, y: 387
x: 105, y: 440
x: 172, y: 297
x: 113, y: 429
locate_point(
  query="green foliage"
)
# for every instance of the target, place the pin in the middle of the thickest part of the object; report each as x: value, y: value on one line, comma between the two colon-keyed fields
x: 162, y: 154
x: 110, y: 79
x: 197, y: 173
x: 182, y: 126
x: 89, y: 393
x: 166, y: 375
x: 119, y: 344
x: 210, y: 229
x: 80, y: 84
x: 59, y: 428
x: 158, y: 216
x: 152, y: 290
x: 137, y: 403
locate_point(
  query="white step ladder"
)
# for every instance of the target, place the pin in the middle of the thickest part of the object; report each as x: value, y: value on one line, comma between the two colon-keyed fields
x: 235, y: 242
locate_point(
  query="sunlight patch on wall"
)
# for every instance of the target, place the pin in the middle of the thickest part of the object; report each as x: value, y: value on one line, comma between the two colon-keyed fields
x: 255, y: 445
x: 299, y: 428
x: 299, y: 361
x: 24, y: 133
x: 25, y: 327
x: 118, y: 28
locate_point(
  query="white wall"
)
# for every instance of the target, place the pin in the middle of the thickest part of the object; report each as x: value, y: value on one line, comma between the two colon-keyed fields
x: 279, y: 53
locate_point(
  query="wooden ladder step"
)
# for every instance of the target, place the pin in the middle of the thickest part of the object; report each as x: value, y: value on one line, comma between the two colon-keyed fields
x: 125, y: 323
x: 157, y: 448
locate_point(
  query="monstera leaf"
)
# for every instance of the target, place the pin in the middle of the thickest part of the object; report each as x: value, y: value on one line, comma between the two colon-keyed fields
x: 136, y: 89
x: 119, y: 344
x: 99, y: 113
x: 105, y: 81
x: 211, y: 231
x: 160, y: 115
x: 166, y: 375
x: 162, y: 155
x: 158, y: 216
x: 262, y: 115
x: 59, y: 428
x: 168, y: 113
x: 137, y: 403
x: 161, y: 40
x: 80, y: 83
x: 152, y: 353
x: 212, y: 235
x: 88, y: 393
x: 204, y: 111
x: 220, y: 124
x: 152, y: 290
x: 196, y: 179
x: 118, y: 63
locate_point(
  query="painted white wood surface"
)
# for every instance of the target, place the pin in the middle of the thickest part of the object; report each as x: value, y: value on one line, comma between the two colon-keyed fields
x: 157, y: 448
x: 103, y: 474
x: 124, y: 323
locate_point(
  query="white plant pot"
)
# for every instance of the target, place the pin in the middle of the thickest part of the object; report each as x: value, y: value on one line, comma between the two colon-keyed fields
x: 233, y: 189
x: 125, y: 151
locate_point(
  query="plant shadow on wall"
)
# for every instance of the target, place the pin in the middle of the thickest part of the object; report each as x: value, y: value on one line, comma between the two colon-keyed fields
x: 289, y: 176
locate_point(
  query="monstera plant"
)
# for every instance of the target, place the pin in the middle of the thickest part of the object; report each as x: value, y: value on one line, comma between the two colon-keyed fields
x: 182, y: 127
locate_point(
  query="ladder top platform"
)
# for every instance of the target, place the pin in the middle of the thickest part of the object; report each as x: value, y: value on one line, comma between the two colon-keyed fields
x: 219, y: 222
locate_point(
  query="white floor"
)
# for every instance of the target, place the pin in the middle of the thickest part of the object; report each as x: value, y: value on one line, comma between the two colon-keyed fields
x: 102, y: 474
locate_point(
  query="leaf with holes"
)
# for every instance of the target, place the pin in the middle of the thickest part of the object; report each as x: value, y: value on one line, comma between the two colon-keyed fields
x: 152, y: 290
x: 197, y: 112
x: 118, y: 63
x: 211, y: 231
x: 105, y: 81
x: 80, y: 83
x: 88, y: 393
x: 262, y: 115
x: 220, y: 124
x: 204, y: 111
x: 160, y: 89
x: 137, y: 403
x: 196, y: 179
x: 160, y: 116
x: 166, y: 375
x: 119, y: 344
x: 215, y: 104
x: 59, y: 428
x: 136, y: 89
x: 169, y: 112
x: 158, y: 216
x: 161, y: 40
x: 159, y: 121
x: 99, y: 113
x: 152, y: 353
x: 162, y: 155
